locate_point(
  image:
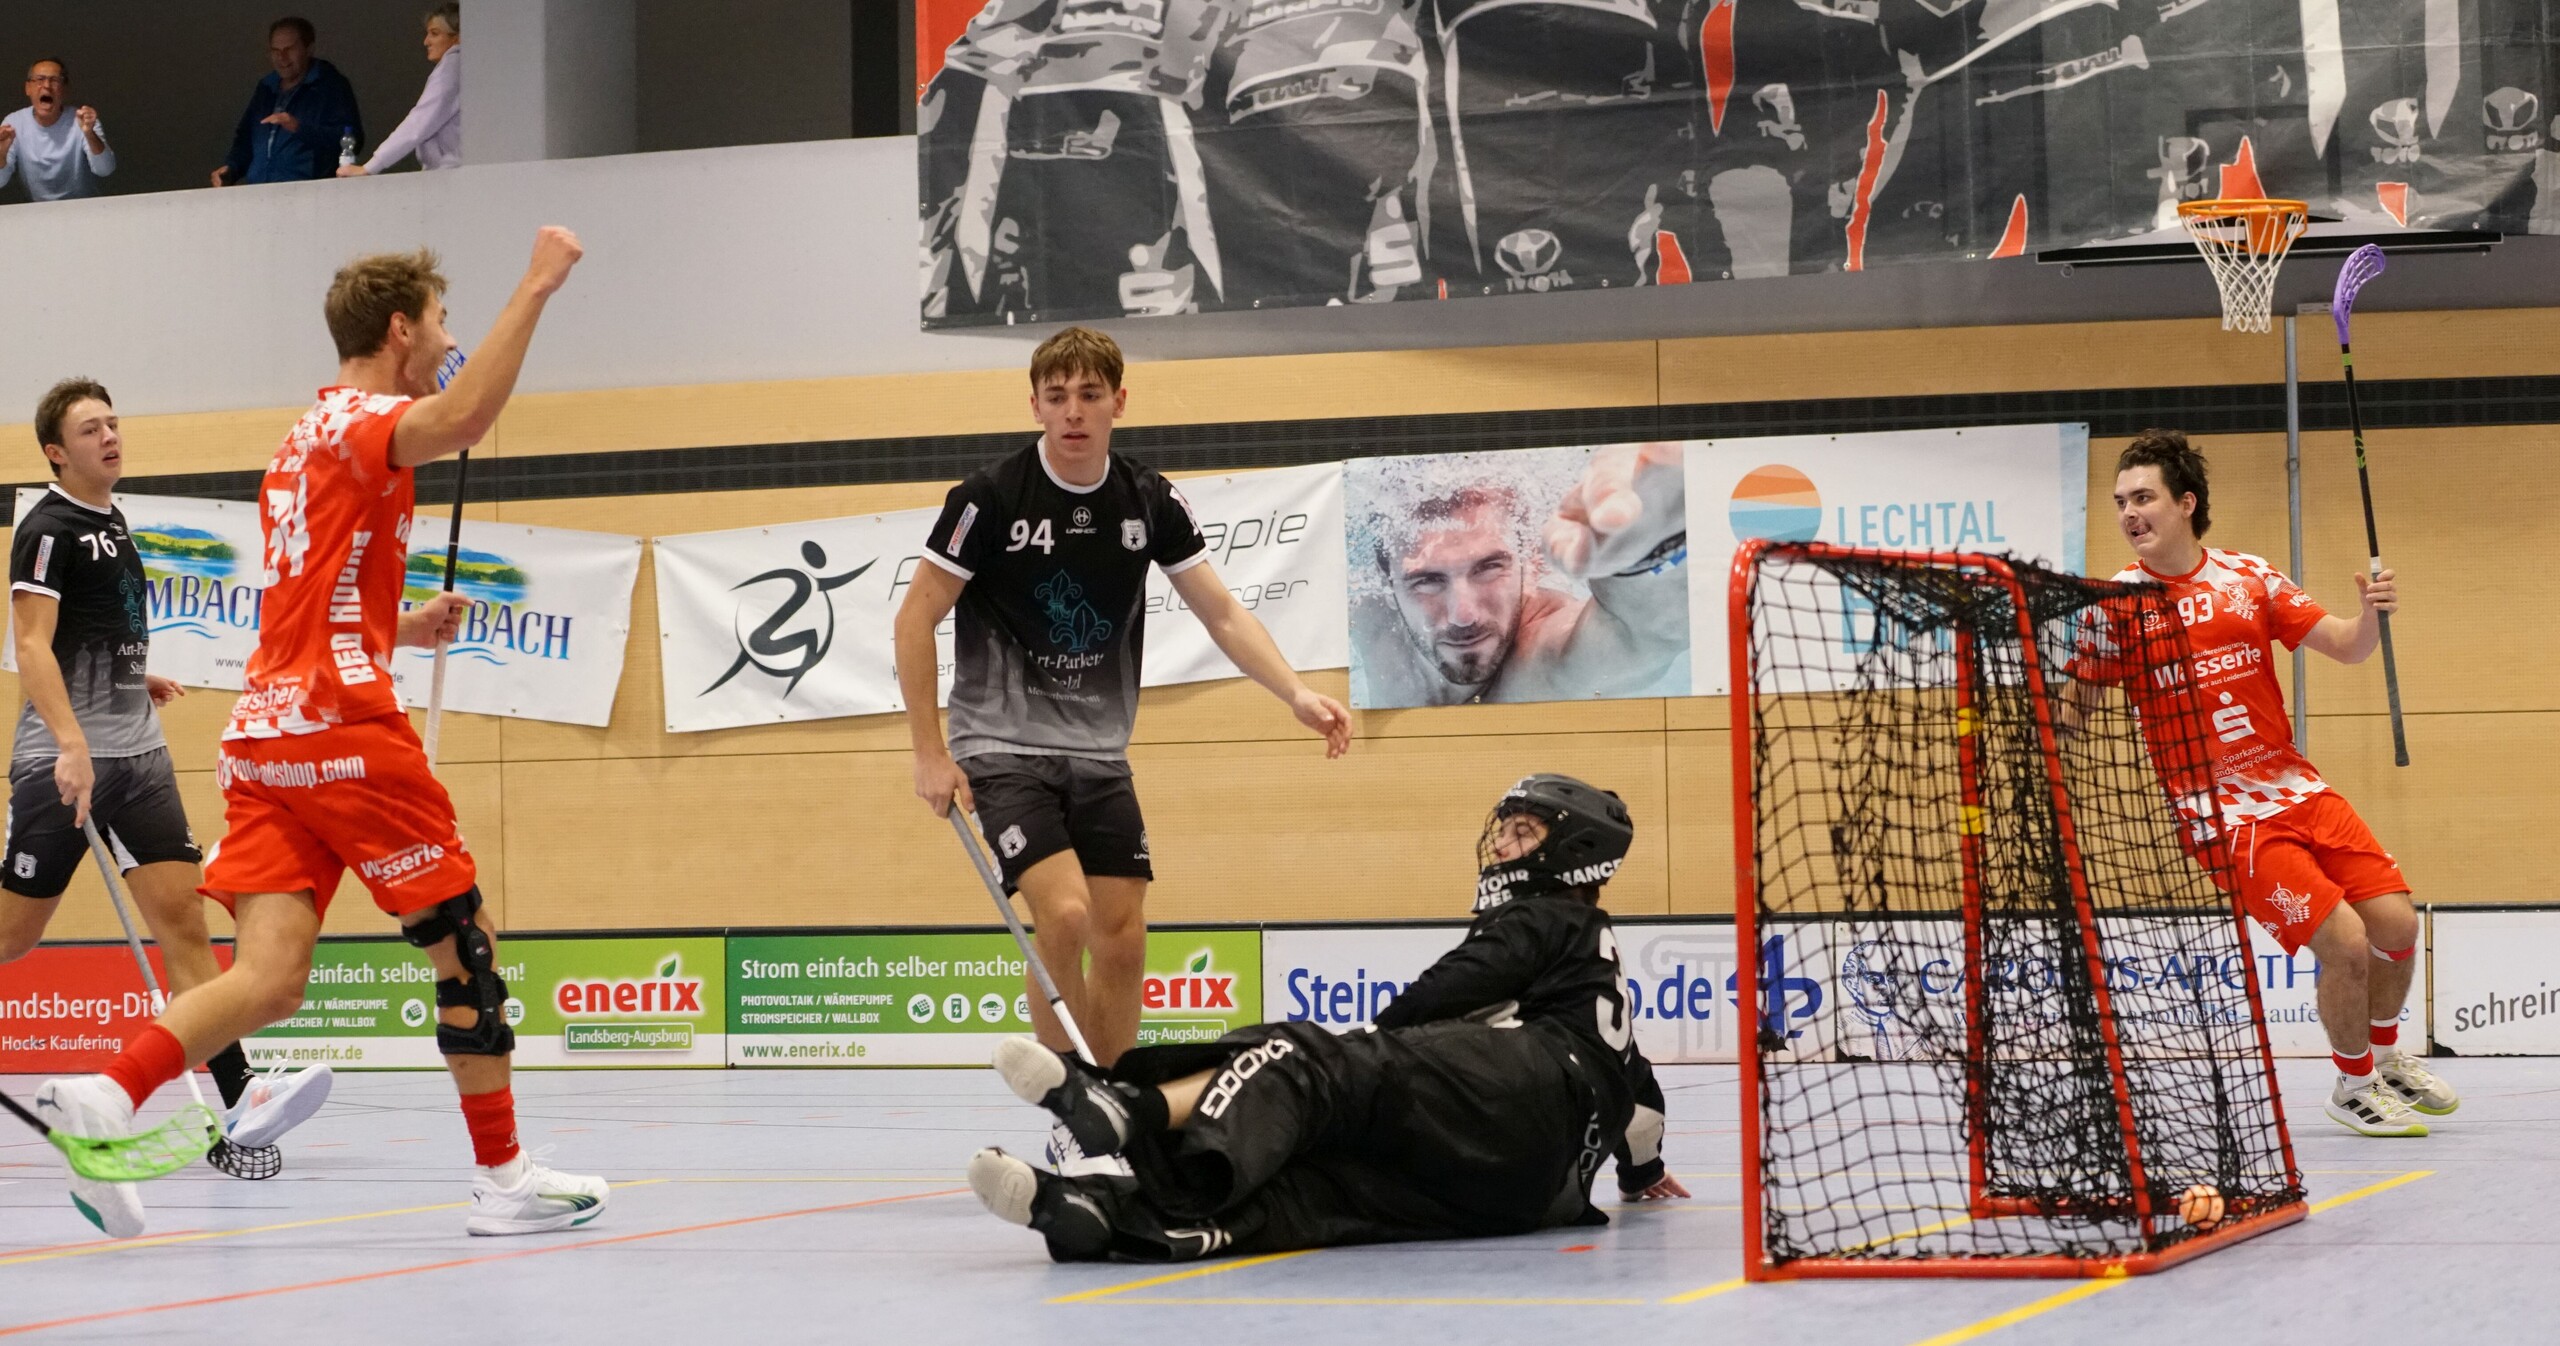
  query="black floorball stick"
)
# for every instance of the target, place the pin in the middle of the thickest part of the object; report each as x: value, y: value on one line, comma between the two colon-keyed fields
x: 2363, y: 265
x: 1012, y: 922
x: 453, y: 361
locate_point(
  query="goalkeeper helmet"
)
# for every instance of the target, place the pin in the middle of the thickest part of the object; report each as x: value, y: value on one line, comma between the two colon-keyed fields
x: 1587, y: 833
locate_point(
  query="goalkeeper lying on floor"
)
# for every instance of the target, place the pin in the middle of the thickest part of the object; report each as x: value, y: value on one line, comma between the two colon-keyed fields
x: 1480, y: 1105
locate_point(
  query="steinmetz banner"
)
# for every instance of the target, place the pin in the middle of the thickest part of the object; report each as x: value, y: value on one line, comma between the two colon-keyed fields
x: 793, y: 622
x: 550, y: 617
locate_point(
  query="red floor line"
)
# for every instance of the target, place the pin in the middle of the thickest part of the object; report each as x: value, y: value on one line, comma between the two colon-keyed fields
x: 112, y: 1315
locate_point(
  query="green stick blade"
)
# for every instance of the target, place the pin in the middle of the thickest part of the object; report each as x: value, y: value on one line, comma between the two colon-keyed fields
x: 164, y: 1149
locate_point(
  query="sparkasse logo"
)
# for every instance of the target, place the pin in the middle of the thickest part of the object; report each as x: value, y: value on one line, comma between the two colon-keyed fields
x: 1197, y: 986
x: 668, y: 992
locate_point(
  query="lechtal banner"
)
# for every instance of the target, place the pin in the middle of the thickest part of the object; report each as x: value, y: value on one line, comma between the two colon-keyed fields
x: 2015, y: 489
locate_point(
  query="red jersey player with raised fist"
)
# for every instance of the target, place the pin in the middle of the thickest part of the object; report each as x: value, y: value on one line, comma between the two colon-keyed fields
x: 2308, y: 867
x: 320, y: 770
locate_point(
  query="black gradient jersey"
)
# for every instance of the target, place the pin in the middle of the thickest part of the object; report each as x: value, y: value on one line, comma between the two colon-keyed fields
x: 1052, y: 622
x: 84, y: 557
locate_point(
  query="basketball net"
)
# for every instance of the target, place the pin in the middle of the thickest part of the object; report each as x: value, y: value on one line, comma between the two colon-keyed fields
x: 2244, y: 242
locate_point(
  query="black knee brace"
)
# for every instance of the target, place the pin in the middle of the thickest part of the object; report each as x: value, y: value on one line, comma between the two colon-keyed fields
x: 485, y: 992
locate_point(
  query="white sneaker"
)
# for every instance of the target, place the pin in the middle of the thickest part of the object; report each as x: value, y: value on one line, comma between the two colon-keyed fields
x: 276, y: 1102
x: 2422, y: 1089
x: 95, y: 1107
x: 1069, y: 1160
x: 537, y: 1202
x: 2372, y: 1110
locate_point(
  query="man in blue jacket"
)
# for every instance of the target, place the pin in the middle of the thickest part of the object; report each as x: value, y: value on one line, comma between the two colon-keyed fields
x: 295, y: 120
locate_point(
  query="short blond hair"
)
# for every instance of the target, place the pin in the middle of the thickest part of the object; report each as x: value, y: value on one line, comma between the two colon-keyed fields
x: 1077, y: 350
x: 368, y: 290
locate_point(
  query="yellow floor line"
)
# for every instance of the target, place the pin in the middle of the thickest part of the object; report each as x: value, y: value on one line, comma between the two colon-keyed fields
x: 2361, y: 1193
x: 209, y: 1235
x: 2105, y: 1283
x: 2025, y: 1311
x: 1151, y: 1282
x: 1705, y: 1292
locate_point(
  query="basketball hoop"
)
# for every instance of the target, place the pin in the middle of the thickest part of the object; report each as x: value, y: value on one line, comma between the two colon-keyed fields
x: 2244, y: 241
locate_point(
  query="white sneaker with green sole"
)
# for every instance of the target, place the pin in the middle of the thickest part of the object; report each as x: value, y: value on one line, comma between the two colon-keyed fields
x: 2372, y: 1110
x: 2422, y: 1089
x: 537, y: 1202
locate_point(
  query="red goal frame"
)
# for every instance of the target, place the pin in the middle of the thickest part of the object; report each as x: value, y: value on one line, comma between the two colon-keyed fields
x: 1757, y: 1265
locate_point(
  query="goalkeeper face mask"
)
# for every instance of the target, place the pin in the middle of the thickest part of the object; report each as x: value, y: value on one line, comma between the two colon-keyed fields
x: 1550, y: 834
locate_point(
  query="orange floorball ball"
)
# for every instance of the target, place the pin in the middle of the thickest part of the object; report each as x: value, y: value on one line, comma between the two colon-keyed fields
x: 2201, y: 1205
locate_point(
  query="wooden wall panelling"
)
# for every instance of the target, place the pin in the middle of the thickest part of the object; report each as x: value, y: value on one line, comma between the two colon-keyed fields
x: 1168, y: 392
x: 2469, y: 819
x: 1700, y: 780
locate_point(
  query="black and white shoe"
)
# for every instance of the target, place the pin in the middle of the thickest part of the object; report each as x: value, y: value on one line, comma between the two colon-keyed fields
x: 2372, y: 1109
x: 1044, y: 1203
x: 249, y: 1163
x: 1092, y: 1110
x: 2422, y: 1089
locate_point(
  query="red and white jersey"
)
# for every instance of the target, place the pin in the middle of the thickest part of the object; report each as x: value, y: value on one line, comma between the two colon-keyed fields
x: 335, y: 513
x: 2234, y: 605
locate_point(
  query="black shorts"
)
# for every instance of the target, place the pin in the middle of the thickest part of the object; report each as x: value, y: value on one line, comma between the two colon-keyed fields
x: 135, y: 802
x: 1031, y: 808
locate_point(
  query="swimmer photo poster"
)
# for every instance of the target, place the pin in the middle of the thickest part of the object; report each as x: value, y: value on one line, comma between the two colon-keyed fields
x: 2022, y: 490
x: 1524, y: 575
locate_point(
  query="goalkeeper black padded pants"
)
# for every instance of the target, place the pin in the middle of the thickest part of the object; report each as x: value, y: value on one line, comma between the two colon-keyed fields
x: 1304, y: 1139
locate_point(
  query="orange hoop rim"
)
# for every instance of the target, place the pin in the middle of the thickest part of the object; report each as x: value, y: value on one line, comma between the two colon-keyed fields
x: 2255, y: 211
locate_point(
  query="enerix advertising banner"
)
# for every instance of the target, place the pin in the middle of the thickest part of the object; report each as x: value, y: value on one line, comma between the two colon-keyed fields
x: 618, y: 1002
x: 550, y: 616
x: 947, y: 999
x: 200, y: 568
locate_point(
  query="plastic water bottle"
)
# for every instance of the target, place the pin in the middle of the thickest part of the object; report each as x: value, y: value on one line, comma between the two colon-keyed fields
x: 347, y: 150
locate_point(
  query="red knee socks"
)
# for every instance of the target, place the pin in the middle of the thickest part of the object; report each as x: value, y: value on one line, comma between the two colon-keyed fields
x: 492, y: 1118
x: 2357, y: 1068
x: 152, y: 1059
x: 2386, y: 1033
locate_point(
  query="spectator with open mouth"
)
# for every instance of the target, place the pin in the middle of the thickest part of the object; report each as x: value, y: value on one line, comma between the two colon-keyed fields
x: 60, y: 157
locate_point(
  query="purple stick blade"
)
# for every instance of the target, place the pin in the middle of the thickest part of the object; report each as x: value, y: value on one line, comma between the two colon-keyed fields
x: 2363, y: 264
x: 447, y: 368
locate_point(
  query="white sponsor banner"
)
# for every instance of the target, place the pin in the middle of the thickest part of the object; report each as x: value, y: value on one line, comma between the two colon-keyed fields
x: 2497, y: 982
x: 1873, y: 988
x: 2019, y: 489
x: 1275, y: 539
x: 791, y: 622
x: 200, y: 567
x: 1680, y: 980
x: 549, y: 622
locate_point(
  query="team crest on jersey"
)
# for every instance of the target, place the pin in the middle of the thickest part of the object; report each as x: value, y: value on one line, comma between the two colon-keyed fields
x: 1133, y: 534
x: 2235, y: 596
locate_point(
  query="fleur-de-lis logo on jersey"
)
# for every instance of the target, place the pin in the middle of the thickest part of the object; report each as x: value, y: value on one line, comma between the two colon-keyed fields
x: 1072, y: 621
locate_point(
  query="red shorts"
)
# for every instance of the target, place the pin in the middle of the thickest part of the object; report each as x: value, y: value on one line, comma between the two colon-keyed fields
x: 2296, y: 867
x: 300, y: 811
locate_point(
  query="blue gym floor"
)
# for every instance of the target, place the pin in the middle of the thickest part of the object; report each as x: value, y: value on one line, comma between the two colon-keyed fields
x: 827, y: 1206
